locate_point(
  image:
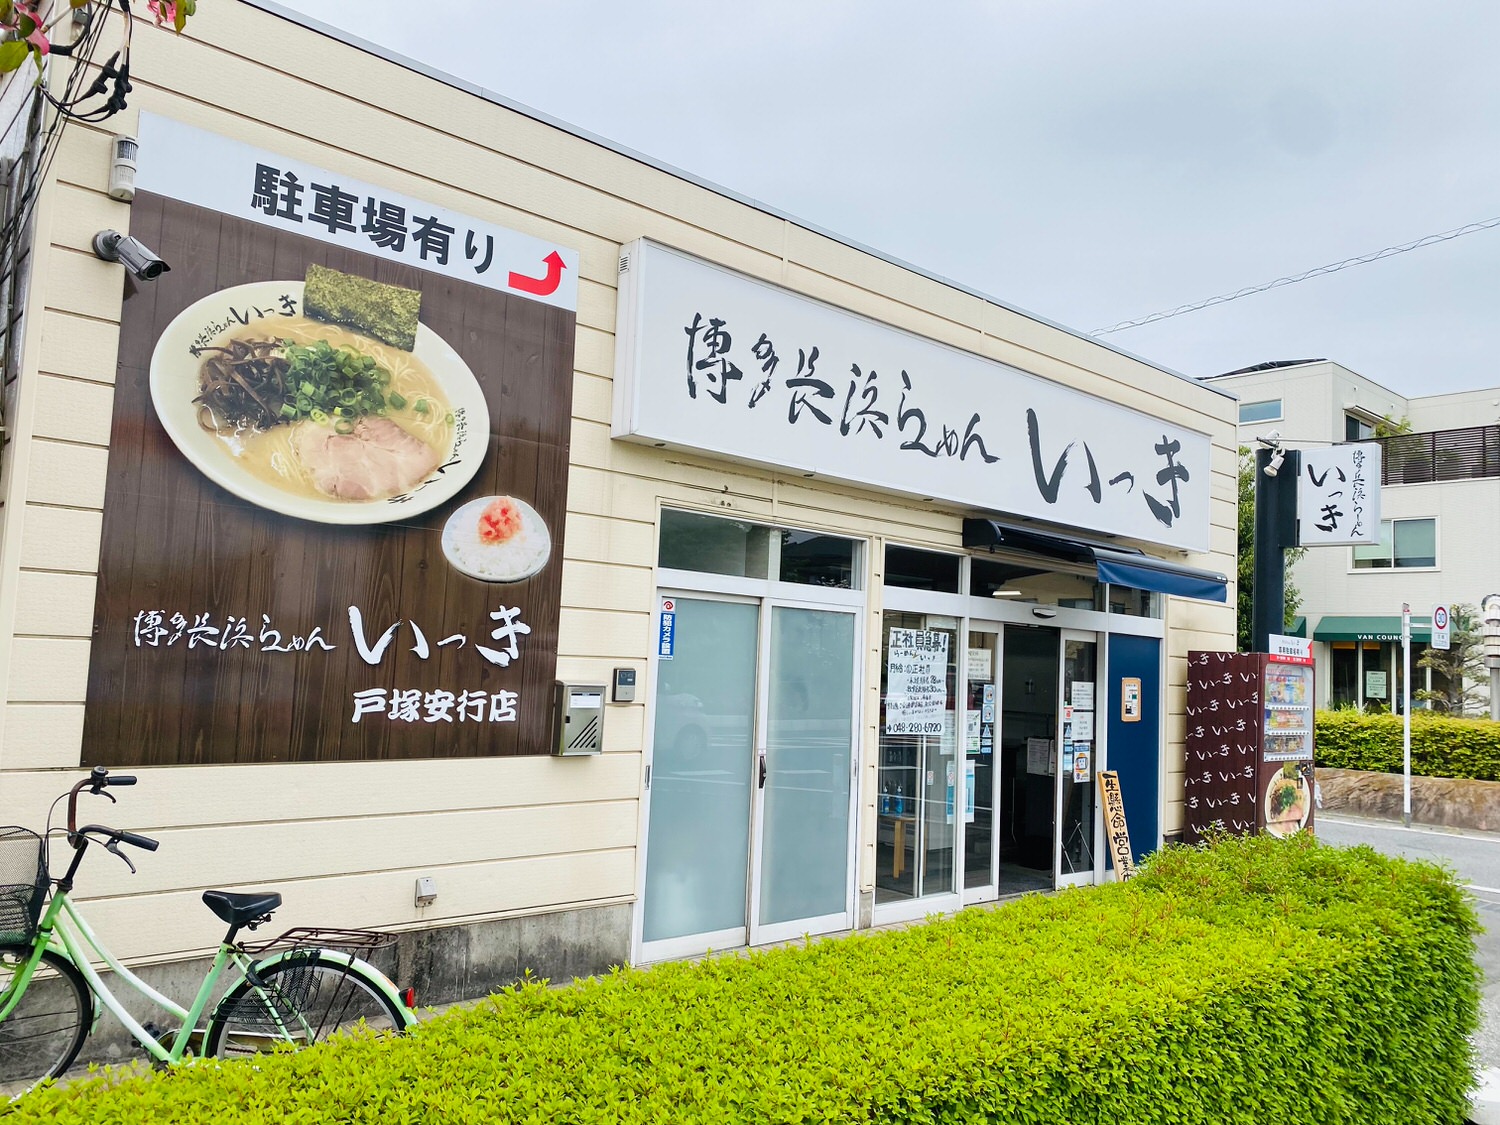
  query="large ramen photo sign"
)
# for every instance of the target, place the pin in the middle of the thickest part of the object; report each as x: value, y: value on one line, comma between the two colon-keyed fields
x: 335, y: 500
x: 402, y: 445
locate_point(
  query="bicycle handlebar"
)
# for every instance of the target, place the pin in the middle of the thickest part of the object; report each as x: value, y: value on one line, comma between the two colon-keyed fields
x: 134, y: 839
x: 97, y: 781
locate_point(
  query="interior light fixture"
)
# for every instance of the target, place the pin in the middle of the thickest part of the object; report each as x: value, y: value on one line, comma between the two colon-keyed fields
x: 1005, y: 593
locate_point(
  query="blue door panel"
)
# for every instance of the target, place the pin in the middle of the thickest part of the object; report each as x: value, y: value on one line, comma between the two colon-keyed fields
x: 1135, y: 747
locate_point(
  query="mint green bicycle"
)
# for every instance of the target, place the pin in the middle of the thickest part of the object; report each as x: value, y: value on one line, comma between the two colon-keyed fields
x: 290, y: 992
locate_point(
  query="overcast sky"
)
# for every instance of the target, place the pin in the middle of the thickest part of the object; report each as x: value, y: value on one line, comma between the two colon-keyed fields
x: 1091, y: 161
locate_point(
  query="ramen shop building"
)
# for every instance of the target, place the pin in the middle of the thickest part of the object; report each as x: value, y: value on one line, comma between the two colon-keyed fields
x: 474, y: 501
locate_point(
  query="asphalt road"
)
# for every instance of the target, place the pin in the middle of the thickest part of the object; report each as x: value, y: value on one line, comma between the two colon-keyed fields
x: 1475, y: 858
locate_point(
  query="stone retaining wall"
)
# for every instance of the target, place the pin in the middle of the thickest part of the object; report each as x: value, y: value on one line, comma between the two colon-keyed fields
x: 1445, y: 801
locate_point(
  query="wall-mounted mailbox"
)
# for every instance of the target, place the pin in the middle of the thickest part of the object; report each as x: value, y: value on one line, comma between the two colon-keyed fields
x: 578, y: 718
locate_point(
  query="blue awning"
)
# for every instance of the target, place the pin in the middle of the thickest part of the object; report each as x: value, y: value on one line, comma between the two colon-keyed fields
x: 1146, y: 573
x: 1120, y: 566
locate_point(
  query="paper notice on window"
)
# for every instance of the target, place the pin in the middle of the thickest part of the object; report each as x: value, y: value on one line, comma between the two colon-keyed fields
x: 980, y: 664
x: 1083, y: 726
x: 916, y: 693
x: 1039, y: 756
x: 1082, y: 697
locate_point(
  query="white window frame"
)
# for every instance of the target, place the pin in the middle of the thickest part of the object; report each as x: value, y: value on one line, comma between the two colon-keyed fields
x: 1393, y: 568
x: 1277, y: 417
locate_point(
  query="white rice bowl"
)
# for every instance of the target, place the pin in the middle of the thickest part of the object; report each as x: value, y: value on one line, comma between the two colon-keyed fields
x: 518, y: 557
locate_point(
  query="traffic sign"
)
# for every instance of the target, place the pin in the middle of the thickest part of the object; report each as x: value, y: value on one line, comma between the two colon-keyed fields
x: 1440, y: 632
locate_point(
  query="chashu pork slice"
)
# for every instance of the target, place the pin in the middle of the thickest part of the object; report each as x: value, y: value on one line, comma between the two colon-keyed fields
x: 377, y: 459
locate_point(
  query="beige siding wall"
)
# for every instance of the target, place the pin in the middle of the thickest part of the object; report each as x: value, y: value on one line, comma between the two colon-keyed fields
x: 345, y: 841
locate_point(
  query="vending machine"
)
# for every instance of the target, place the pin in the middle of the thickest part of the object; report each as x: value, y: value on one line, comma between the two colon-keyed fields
x: 1249, y: 743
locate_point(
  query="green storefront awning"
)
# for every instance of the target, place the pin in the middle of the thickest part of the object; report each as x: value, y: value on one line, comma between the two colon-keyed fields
x: 1299, y: 627
x: 1372, y: 629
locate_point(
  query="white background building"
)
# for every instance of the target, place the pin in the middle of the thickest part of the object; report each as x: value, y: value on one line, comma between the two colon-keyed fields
x: 1440, y: 514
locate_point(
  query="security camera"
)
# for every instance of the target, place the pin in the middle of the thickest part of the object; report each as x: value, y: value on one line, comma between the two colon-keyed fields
x: 142, y: 262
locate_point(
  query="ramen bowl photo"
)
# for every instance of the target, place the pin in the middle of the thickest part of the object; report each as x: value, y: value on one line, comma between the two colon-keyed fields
x: 497, y: 539
x: 1288, y: 801
x: 323, y: 399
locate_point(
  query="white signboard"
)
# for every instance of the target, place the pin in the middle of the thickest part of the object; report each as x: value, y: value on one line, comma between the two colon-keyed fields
x: 710, y: 360
x: 224, y: 175
x: 1298, y: 649
x: 1440, y: 627
x: 1375, y: 685
x: 1338, y: 495
x: 916, y: 693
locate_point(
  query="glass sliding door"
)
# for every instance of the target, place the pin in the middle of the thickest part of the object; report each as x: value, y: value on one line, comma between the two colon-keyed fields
x: 702, y: 776
x: 806, y: 784
x: 750, y: 794
x: 916, y: 827
x: 980, y: 731
x: 1077, y: 850
x: 1029, y: 756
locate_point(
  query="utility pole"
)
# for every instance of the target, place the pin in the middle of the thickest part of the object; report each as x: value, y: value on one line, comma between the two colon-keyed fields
x: 1406, y: 714
x: 1490, y: 611
x: 1275, y: 531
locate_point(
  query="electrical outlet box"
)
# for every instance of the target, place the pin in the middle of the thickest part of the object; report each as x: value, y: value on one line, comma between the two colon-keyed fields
x: 426, y: 890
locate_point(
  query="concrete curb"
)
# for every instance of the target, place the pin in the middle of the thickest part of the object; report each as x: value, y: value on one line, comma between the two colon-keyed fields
x: 1484, y: 1105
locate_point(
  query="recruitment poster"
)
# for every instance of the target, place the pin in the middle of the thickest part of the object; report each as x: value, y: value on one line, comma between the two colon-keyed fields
x: 337, y: 472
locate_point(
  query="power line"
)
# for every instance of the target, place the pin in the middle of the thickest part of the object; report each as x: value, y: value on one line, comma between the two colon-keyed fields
x: 1333, y: 267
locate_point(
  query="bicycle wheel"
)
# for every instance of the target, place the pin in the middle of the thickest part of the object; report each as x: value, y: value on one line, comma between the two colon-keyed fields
x: 42, y: 1035
x: 307, y: 998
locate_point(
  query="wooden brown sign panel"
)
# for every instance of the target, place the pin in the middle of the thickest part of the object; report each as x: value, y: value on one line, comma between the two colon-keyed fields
x: 226, y: 630
x: 1223, y: 743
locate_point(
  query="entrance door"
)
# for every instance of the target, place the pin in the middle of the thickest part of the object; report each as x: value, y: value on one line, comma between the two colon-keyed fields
x: 981, y: 727
x: 749, y: 797
x: 1029, y: 713
x: 1076, y: 849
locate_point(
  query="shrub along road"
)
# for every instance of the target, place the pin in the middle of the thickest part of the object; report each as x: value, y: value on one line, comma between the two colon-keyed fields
x: 1475, y: 858
x: 1258, y: 981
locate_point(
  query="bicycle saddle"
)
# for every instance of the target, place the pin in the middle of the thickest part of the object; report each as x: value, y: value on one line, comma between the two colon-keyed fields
x: 238, y: 909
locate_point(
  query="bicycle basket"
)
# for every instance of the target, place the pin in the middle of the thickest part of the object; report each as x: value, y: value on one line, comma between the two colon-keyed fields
x: 23, y: 884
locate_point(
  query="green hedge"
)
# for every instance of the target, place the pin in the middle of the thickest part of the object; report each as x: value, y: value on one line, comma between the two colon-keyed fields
x: 1256, y: 982
x: 1441, y: 746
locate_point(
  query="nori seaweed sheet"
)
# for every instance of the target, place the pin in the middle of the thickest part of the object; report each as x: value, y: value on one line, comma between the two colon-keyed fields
x: 387, y: 312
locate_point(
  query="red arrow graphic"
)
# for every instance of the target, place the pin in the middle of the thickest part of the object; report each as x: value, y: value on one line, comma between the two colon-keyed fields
x: 541, y: 286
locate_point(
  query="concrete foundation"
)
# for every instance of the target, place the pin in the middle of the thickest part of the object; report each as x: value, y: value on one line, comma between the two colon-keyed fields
x: 444, y: 965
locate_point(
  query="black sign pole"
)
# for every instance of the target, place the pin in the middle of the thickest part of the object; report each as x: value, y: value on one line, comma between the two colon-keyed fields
x: 1275, y: 531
